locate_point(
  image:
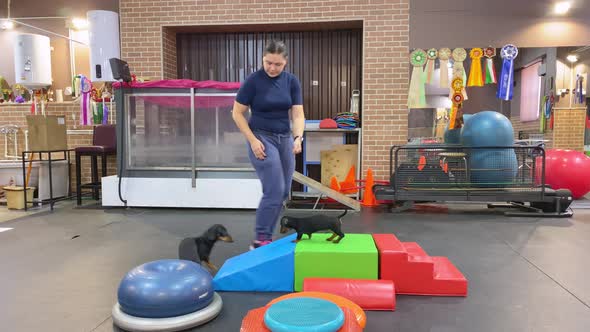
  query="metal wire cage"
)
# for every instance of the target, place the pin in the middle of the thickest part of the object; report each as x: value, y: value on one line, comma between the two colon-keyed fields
x: 436, y: 167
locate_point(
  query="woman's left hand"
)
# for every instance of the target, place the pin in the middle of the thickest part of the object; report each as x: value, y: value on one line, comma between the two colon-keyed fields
x: 297, y: 146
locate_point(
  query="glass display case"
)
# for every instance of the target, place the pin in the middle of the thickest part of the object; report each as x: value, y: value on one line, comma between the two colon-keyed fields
x: 174, y: 130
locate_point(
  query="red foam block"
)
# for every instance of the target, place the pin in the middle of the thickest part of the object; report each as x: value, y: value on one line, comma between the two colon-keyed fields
x: 368, y: 294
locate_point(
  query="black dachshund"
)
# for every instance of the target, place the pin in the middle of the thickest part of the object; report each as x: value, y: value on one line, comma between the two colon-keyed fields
x: 310, y: 225
x: 198, y: 249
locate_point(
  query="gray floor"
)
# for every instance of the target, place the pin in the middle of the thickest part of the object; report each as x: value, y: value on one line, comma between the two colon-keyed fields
x: 524, y: 274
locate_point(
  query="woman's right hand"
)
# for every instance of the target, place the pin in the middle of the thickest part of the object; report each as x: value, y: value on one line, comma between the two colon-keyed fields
x: 258, y: 148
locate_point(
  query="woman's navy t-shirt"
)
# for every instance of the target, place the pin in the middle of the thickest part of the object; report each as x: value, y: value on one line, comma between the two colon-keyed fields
x: 270, y: 99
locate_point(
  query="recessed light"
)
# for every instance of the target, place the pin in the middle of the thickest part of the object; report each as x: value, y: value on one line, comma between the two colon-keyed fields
x: 562, y: 7
x: 572, y: 58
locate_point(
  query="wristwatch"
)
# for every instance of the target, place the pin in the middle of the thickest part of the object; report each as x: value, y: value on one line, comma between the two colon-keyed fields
x: 296, y: 137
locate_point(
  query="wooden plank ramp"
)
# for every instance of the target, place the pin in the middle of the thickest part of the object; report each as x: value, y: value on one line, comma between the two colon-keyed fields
x: 304, y: 180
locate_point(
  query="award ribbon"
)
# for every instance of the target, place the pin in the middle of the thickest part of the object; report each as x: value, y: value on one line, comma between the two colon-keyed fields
x: 432, y: 54
x: 490, y: 75
x: 85, y: 88
x: 105, y: 113
x: 417, y: 94
x: 579, y: 95
x: 459, y: 55
x: 443, y: 56
x: 457, y: 99
x: 475, y: 75
x: 506, y: 85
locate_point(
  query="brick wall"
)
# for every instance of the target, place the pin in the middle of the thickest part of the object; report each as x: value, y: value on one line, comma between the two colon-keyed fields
x: 78, y: 135
x: 531, y: 127
x: 169, y: 60
x: 568, y: 129
x: 149, y: 47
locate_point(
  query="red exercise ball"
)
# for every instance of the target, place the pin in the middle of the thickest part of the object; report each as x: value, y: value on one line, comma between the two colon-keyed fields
x: 566, y: 169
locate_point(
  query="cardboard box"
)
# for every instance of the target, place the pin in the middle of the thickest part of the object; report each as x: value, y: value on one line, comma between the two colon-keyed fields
x: 47, y: 132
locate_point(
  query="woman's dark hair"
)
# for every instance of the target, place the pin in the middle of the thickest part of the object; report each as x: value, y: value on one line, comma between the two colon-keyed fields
x: 276, y: 47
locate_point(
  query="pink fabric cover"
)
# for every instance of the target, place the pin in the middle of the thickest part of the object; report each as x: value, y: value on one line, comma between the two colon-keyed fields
x: 183, y: 83
x: 185, y: 102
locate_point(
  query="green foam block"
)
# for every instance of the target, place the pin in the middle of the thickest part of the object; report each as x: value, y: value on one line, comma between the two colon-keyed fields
x: 355, y: 257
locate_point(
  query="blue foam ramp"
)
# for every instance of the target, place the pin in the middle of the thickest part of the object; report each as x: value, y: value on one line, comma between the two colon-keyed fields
x: 270, y: 268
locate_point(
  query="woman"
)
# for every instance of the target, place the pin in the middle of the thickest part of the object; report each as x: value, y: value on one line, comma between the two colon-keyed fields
x: 271, y: 93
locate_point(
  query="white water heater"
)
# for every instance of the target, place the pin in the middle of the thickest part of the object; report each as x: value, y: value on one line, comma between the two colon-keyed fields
x: 103, y: 35
x: 32, y: 61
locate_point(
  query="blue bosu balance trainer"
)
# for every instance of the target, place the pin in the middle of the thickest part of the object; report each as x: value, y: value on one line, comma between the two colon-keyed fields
x: 304, y: 314
x: 166, y: 295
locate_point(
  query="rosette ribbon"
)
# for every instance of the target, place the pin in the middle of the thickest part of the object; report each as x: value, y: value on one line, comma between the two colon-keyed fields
x: 443, y: 56
x: 459, y: 55
x: 105, y: 113
x: 431, y: 55
x: 417, y: 93
x: 506, y: 85
x: 475, y: 75
x: 490, y: 74
x: 579, y: 96
x: 85, y: 88
x: 457, y: 99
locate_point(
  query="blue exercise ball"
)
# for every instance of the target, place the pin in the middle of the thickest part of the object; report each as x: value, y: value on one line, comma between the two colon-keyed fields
x: 487, y: 128
x: 452, y: 136
x: 493, y: 167
x: 165, y: 288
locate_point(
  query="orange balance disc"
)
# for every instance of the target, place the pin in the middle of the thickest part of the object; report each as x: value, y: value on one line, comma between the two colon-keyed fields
x: 254, y: 321
x: 340, y: 301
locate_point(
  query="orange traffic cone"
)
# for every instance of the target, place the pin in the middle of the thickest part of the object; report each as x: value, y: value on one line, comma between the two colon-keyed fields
x: 369, y: 198
x: 349, y: 184
x: 421, y: 163
x: 334, y: 184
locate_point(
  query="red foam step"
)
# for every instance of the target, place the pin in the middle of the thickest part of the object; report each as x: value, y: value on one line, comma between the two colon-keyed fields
x: 414, y: 249
x: 414, y: 272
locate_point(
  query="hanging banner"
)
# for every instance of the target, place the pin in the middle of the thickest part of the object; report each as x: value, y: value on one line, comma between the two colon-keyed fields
x: 432, y: 54
x: 417, y: 93
x: 490, y: 73
x: 506, y: 85
x: 444, y: 54
x: 475, y: 74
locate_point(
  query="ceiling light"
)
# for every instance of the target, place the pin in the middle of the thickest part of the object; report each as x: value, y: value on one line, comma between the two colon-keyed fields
x: 79, y: 23
x: 572, y: 58
x: 562, y: 7
x: 7, y: 25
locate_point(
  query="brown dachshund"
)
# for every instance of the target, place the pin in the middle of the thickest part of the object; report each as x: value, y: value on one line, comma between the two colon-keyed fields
x: 198, y: 249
